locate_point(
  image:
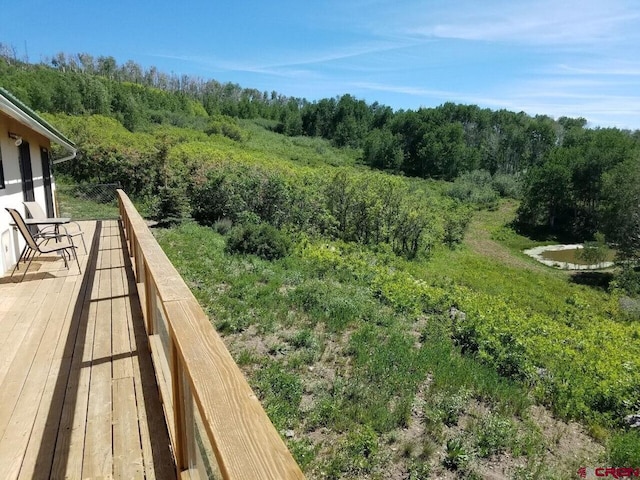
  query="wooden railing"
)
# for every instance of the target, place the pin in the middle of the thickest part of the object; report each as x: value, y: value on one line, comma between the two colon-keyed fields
x: 217, y: 426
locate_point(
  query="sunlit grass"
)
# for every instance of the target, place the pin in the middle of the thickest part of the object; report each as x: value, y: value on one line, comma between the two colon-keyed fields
x: 379, y: 359
x: 311, y: 151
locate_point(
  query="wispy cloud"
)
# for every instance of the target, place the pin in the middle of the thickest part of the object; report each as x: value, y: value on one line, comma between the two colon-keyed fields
x: 287, y: 63
x: 609, y: 69
x: 537, y: 22
x: 593, y: 100
x: 560, y: 98
x: 405, y: 89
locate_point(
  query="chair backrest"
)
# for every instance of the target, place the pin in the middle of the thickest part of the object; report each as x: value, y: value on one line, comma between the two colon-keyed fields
x: 35, y: 209
x: 22, y: 227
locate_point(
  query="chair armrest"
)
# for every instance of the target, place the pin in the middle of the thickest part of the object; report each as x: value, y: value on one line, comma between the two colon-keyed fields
x: 45, y: 228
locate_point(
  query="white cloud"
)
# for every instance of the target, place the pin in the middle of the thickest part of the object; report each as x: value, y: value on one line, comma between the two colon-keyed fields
x: 571, y: 98
x: 404, y: 89
x: 594, y: 100
x: 561, y: 58
x: 611, y: 68
x: 292, y: 63
x: 537, y: 22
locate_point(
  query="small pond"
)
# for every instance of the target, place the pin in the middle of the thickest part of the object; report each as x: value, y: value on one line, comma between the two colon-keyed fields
x: 572, y: 256
x: 566, y: 257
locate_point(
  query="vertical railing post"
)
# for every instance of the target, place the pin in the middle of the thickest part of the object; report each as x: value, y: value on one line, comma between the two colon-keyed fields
x: 139, y: 260
x: 180, y: 412
x: 149, y: 300
x: 132, y: 252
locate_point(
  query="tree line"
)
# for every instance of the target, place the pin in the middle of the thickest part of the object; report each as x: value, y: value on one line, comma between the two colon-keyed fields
x: 84, y: 84
x: 569, y: 174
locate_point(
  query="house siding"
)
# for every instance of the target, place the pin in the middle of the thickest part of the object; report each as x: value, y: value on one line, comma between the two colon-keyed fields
x: 11, y: 196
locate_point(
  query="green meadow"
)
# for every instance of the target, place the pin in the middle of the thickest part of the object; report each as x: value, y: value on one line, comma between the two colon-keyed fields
x: 371, y: 359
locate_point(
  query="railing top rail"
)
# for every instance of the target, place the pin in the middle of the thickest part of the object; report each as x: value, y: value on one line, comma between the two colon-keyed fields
x: 246, y: 444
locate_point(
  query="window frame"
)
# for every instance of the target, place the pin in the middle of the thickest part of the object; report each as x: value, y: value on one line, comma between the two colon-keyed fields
x: 2, y: 181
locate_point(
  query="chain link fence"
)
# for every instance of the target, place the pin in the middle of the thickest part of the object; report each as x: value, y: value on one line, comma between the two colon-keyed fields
x: 97, y: 201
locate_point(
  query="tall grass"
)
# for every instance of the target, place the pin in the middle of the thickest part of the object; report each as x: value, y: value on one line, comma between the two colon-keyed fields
x: 373, y: 359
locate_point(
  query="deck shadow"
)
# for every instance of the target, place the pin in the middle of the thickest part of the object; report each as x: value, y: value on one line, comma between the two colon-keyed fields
x: 163, y: 462
x: 55, y: 446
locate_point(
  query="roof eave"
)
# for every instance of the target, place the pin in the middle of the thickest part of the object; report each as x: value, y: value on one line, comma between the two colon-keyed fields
x: 23, y: 114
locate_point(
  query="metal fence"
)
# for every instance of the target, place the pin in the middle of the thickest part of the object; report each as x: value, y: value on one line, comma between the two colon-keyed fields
x: 96, y: 201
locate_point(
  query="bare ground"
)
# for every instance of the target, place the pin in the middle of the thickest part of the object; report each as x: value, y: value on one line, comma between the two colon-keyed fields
x: 567, y: 446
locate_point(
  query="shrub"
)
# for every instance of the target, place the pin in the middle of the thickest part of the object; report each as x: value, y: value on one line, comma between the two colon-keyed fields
x: 258, y: 239
x: 494, y: 434
x: 507, y: 185
x: 629, y: 279
x: 226, y: 126
x: 419, y: 470
x: 223, y: 226
x: 455, y: 226
x: 452, y: 405
x: 458, y: 456
x: 594, y: 252
x: 474, y: 188
x: 231, y: 192
x: 169, y: 205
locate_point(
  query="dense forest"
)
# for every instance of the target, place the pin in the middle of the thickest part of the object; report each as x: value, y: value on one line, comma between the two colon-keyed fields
x: 357, y: 220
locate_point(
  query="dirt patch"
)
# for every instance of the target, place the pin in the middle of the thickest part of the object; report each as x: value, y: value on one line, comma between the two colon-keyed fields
x: 479, y: 240
x: 565, y: 446
x: 568, y: 443
x: 410, y: 439
x: 249, y: 340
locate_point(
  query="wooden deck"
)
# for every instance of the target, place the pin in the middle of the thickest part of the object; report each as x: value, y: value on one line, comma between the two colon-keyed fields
x: 78, y: 394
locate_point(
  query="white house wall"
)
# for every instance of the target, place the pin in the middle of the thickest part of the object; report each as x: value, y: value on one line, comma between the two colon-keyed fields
x: 11, y: 196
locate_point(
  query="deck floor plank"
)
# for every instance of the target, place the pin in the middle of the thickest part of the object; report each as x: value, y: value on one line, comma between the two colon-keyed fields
x: 16, y: 436
x: 37, y: 387
x: 18, y: 359
x: 98, y: 452
x: 42, y: 442
x: 123, y: 349
x: 19, y: 328
x: 127, y: 453
x: 69, y: 447
x: 127, y: 449
x: 78, y: 396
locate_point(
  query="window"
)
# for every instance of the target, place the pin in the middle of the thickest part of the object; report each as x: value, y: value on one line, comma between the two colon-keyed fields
x: 1, y: 170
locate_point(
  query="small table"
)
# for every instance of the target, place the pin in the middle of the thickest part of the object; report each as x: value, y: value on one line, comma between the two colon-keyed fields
x: 55, y: 221
x: 47, y: 221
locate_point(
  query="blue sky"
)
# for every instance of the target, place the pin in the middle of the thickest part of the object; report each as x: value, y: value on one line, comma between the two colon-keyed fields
x: 577, y: 58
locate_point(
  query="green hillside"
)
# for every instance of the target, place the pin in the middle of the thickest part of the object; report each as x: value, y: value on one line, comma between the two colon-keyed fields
x: 364, y: 266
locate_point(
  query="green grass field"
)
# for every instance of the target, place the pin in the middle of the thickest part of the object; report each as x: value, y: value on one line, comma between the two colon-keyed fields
x: 349, y: 350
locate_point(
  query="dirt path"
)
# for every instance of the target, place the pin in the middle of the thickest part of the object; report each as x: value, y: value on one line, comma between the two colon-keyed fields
x: 478, y: 238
